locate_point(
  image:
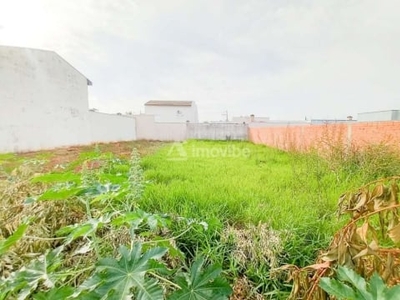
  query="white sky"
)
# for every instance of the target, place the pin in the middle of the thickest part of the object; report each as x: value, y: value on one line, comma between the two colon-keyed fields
x: 282, y: 59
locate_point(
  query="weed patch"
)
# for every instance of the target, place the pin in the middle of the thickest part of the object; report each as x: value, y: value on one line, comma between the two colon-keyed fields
x: 80, y: 234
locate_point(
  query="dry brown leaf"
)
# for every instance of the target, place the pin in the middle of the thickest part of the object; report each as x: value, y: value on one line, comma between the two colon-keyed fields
x: 378, y: 191
x: 370, y: 207
x: 394, y: 191
x: 342, y: 251
x: 363, y: 231
x: 388, y: 268
x: 361, y: 200
x: 348, y: 261
x: 373, y: 234
x: 358, y: 247
x: 323, y: 265
x: 331, y: 255
x: 366, y: 251
x: 394, y: 233
x: 379, y: 203
x: 393, y: 221
x: 373, y: 245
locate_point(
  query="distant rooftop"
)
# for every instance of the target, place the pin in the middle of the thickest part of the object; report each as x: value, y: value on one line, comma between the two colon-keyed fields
x: 168, y: 103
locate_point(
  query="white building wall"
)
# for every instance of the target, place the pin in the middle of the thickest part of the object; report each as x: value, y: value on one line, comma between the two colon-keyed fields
x: 43, y: 101
x: 111, y: 128
x: 169, y: 114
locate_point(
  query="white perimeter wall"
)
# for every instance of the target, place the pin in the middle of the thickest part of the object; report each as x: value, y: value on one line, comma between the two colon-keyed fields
x: 111, y: 128
x: 148, y: 129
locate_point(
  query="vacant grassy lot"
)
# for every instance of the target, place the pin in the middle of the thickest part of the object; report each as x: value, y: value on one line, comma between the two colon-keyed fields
x: 240, y: 183
x: 244, y: 209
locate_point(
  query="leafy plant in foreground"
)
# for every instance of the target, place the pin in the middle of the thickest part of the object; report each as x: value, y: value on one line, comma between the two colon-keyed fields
x: 202, y: 284
x: 121, y: 278
x: 41, y: 271
x: 100, y: 205
x: 352, y: 286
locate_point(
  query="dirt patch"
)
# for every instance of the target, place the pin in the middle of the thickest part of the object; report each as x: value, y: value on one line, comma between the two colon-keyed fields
x: 64, y: 155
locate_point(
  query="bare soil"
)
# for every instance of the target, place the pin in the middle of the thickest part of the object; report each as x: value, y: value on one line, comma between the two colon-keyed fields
x: 64, y: 155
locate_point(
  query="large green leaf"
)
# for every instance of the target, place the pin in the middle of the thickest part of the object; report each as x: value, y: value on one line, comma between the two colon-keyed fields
x: 377, y: 287
x: 57, y: 177
x: 379, y: 290
x: 61, y: 194
x: 139, y: 217
x: 358, y: 289
x: 121, y: 279
x: 14, y: 238
x: 392, y: 293
x: 337, y: 288
x: 40, y: 272
x: 84, y: 229
x: 99, y: 189
x: 55, y: 293
x: 151, y: 290
x: 202, y: 285
x: 349, y: 275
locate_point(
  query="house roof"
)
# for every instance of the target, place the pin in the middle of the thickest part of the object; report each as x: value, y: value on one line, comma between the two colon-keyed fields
x: 168, y: 103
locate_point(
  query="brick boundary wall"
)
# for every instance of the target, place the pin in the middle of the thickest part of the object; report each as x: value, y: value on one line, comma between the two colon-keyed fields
x: 306, y: 137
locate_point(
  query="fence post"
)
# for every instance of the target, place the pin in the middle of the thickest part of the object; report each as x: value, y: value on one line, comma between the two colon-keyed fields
x: 349, y: 135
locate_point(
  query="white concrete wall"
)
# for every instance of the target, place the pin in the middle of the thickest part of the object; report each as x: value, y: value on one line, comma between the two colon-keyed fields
x: 217, y: 131
x: 111, y: 128
x: 169, y: 114
x: 148, y: 129
x: 43, y: 101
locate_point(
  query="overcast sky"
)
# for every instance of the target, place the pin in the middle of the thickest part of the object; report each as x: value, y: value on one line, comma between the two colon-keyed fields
x: 282, y: 59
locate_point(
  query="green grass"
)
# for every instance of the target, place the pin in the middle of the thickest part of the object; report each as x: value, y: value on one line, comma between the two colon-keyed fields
x: 259, y: 185
x: 263, y: 208
x: 11, y: 161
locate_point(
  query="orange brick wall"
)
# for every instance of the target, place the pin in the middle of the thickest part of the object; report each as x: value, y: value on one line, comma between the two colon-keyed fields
x: 304, y: 137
